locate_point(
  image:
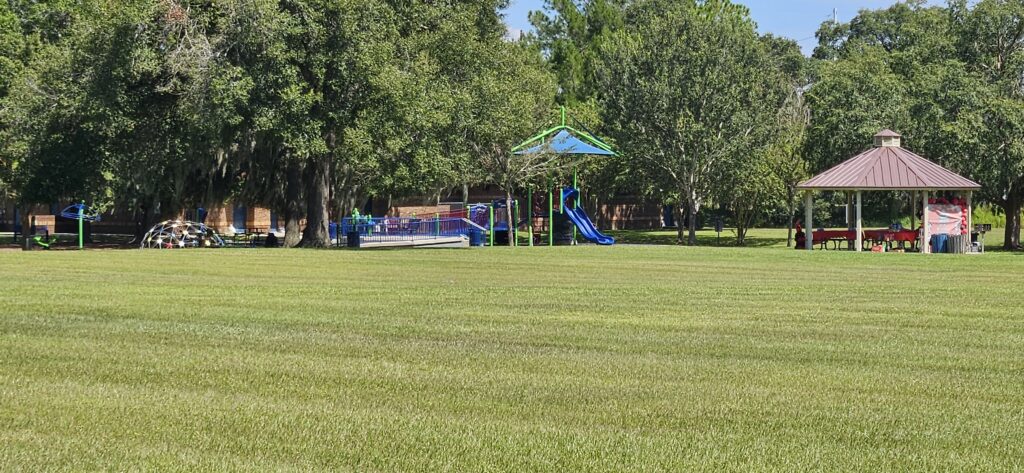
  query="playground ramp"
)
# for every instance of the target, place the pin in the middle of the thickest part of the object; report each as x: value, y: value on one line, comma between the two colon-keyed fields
x: 417, y: 242
x: 409, y: 232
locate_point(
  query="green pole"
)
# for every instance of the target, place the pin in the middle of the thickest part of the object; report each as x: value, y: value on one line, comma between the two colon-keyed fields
x: 490, y: 222
x: 529, y: 210
x: 437, y: 224
x: 81, y: 217
x: 576, y: 201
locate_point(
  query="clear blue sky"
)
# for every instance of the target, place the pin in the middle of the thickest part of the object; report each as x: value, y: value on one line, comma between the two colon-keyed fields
x: 796, y: 19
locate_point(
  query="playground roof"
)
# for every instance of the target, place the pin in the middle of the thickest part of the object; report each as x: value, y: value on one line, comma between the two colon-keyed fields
x: 564, y: 142
x: 564, y: 139
x: 888, y: 166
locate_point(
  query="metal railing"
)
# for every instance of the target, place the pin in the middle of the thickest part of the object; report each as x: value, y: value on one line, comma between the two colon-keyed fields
x: 394, y: 229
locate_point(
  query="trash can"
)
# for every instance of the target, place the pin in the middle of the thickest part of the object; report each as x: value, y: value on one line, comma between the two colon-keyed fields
x: 940, y: 243
x: 332, y: 230
x: 352, y: 239
x: 476, y: 237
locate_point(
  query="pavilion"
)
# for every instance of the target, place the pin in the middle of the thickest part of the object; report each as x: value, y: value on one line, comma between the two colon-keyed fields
x: 887, y: 166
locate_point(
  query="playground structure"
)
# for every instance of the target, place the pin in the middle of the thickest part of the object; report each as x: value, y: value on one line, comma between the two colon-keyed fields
x: 564, y: 140
x: 171, y: 234
x: 478, y: 224
x: 488, y: 224
x: 82, y: 213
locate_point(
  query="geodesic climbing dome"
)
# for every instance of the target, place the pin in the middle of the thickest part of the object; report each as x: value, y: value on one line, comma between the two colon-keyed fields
x: 181, y: 234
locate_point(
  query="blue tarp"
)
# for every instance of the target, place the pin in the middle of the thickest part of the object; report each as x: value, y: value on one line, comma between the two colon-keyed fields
x: 565, y: 143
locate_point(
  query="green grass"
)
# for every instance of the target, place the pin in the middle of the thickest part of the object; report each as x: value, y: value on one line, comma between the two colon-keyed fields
x: 629, y: 358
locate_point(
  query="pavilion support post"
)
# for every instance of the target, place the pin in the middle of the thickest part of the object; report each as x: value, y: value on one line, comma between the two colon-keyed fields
x: 970, y: 221
x: 809, y: 221
x: 913, y: 210
x: 850, y: 219
x: 860, y: 224
x: 970, y: 212
x: 925, y: 236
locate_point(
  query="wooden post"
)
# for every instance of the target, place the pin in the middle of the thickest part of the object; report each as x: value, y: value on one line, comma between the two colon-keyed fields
x: 970, y: 212
x: 913, y: 210
x: 851, y: 224
x: 925, y: 236
x: 860, y: 225
x: 809, y: 220
x: 970, y: 220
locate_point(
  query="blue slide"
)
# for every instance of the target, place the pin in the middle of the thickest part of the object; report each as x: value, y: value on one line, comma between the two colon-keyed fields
x: 582, y: 221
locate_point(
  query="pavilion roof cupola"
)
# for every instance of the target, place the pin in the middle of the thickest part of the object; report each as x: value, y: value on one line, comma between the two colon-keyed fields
x: 887, y: 139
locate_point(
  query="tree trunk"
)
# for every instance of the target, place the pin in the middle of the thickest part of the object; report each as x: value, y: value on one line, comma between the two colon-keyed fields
x: 693, y: 208
x: 140, y: 221
x: 511, y: 223
x: 792, y: 217
x: 680, y: 221
x: 293, y: 204
x: 741, y: 229
x: 149, y: 216
x: 1012, y: 207
x: 26, y: 226
x: 317, y: 202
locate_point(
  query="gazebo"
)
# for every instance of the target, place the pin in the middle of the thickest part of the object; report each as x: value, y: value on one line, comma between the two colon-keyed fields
x: 887, y: 166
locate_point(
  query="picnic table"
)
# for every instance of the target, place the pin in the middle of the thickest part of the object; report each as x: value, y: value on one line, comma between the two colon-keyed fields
x: 255, y: 235
x: 251, y: 236
x: 834, y: 239
x: 888, y: 236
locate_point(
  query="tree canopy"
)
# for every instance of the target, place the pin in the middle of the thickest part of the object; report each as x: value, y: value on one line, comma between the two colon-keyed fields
x: 312, y: 106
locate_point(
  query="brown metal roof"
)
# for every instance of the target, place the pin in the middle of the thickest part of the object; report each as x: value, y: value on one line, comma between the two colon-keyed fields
x: 888, y: 168
x: 887, y: 133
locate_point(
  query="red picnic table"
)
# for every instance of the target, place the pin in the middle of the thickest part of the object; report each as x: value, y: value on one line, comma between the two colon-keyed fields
x: 883, y: 236
x: 888, y: 236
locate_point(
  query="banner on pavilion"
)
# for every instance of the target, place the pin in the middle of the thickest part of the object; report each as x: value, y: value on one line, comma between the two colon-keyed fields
x: 945, y: 218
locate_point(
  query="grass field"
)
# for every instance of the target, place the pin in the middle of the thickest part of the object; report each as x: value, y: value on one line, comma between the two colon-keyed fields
x: 629, y: 358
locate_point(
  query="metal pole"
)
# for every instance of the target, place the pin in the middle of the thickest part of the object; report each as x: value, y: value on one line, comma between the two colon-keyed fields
x: 437, y: 224
x: 529, y: 211
x: 576, y: 201
x: 490, y: 223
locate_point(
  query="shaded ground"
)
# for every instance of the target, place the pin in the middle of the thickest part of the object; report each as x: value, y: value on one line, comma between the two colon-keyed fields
x: 69, y: 241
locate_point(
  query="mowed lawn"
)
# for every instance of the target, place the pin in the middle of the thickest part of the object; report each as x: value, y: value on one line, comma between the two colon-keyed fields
x: 628, y: 358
